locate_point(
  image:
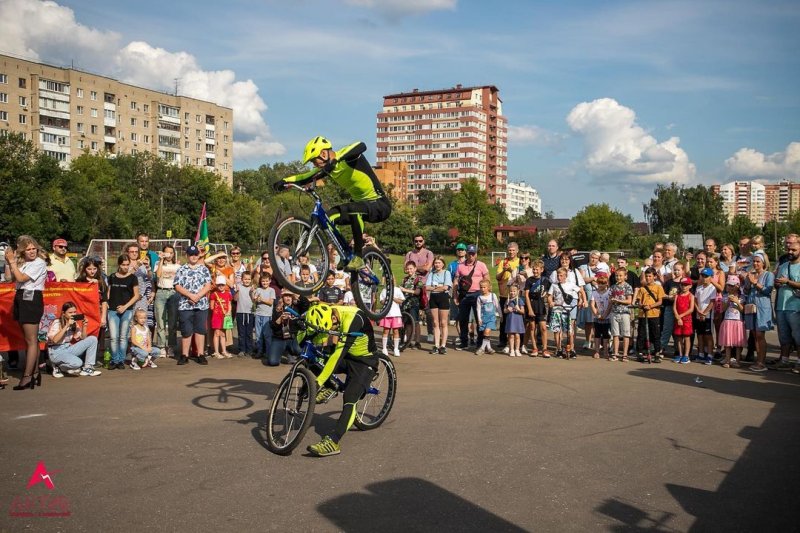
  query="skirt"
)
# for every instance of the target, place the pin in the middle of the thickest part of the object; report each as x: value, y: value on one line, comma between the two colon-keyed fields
x: 731, y: 334
x: 28, y: 311
x: 514, y: 323
x: 394, y: 322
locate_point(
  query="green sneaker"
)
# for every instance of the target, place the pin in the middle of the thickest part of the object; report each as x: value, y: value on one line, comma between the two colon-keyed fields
x: 325, y: 447
x: 325, y: 394
x: 355, y: 264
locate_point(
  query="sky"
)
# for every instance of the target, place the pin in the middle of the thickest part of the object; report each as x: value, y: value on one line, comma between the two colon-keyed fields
x: 604, y: 100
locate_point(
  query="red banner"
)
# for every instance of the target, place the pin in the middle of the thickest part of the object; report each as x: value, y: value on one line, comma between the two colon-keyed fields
x: 85, y: 296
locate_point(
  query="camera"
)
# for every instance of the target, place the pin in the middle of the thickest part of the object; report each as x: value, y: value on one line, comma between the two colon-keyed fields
x: 78, y: 317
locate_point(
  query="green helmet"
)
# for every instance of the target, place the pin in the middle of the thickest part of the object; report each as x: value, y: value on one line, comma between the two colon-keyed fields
x: 320, y: 316
x: 315, y: 147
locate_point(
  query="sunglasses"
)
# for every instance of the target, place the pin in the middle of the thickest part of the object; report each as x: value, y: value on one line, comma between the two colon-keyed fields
x: 235, y: 253
x: 418, y: 240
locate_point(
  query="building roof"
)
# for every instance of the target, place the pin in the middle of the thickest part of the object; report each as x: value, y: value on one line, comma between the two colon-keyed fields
x: 515, y: 228
x: 544, y: 224
x: 417, y: 92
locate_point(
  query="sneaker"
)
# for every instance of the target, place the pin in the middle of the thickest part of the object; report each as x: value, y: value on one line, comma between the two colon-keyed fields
x: 676, y: 359
x: 684, y: 360
x: 57, y: 372
x: 489, y: 350
x: 325, y: 447
x: 587, y: 346
x: 73, y: 371
x: 218, y: 355
x: 355, y: 264
x: 121, y: 365
x: 708, y: 360
x: 434, y: 350
x: 182, y: 360
x: 135, y: 365
x: 396, y: 352
x: 89, y: 371
x: 442, y: 350
x: 162, y: 353
x: 201, y: 360
x: 782, y: 365
x: 506, y: 351
x: 524, y: 350
x: 150, y: 364
x: 325, y: 394
x: 479, y: 351
x: 459, y: 347
x: 472, y: 341
x: 572, y: 354
x: 559, y: 354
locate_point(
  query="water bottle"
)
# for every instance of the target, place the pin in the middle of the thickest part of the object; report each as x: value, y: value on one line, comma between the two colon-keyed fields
x: 106, y: 358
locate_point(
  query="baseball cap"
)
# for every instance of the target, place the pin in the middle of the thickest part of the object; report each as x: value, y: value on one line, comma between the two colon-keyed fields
x: 461, y: 246
x: 221, y: 280
x: 686, y: 281
x: 707, y: 272
x: 192, y: 250
x: 59, y: 242
x: 733, y: 280
x: 602, y: 275
x: 472, y: 249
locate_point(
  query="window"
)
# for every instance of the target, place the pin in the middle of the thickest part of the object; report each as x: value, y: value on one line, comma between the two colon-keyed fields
x: 3, y: 98
x: 93, y: 95
x: 146, y: 123
x: 133, y: 105
x: 225, y: 138
x: 209, y: 148
x: 94, y: 112
x: 186, y: 160
x: 22, y: 83
x: 93, y: 129
x: 224, y: 166
x: 226, y: 125
x: 197, y: 132
x: 209, y: 162
x: 4, y: 115
x: 146, y: 108
x: 94, y: 145
x: 23, y: 119
x: 109, y: 114
x: 197, y: 146
x: 133, y: 122
x: 134, y: 137
x: 225, y: 152
x: 80, y: 144
x: 79, y: 127
x: 197, y: 118
x: 186, y: 130
x: 54, y: 86
x: 146, y: 138
x: 79, y: 94
x: 80, y: 110
x: 168, y: 111
x: 210, y: 134
x: 58, y: 156
x: 134, y: 151
x: 23, y: 101
x: 3, y: 79
x: 186, y: 116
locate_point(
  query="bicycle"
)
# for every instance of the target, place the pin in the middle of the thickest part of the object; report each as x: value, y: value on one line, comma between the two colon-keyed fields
x: 407, y: 333
x: 372, y: 286
x: 289, y: 415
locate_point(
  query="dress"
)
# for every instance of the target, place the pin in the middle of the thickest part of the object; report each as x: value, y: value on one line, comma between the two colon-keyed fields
x: 731, y: 331
x: 514, y: 322
x: 220, y: 309
x: 682, y: 303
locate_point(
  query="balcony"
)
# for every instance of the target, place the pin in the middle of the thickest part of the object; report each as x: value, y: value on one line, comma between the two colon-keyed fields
x: 109, y: 139
x: 47, y: 112
x: 109, y: 122
x: 169, y: 118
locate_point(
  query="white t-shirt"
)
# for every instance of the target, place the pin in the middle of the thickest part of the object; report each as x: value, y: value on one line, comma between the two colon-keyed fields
x: 602, y: 301
x: 311, y: 268
x: 704, y: 295
x: 167, y: 278
x: 573, y: 276
x: 349, y: 299
x: 394, y: 311
x: 37, y: 271
x: 558, y: 298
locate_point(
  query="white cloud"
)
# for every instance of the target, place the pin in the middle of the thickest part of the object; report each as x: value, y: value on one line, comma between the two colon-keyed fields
x: 618, y: 148
x: 46, y: 31
x: 750, y: 163
x: 404, y: 7
x: 533, y: 135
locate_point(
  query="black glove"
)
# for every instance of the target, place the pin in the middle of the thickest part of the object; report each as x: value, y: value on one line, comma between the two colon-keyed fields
x: 279, y: 186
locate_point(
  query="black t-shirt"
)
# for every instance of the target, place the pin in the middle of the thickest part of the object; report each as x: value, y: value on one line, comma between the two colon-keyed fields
x: 330, y: 295
x: 536, y: 289
x: 551, y: 264
x: 120, y: 290
x: 633, y: 280
x: 669, y: 287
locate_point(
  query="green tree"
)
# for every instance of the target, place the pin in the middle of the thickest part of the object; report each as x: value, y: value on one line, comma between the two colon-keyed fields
x: 473, y: 216
x: 432, y: 205
x: 740, y: 226
x: 598, y: 226
x: 527, y: 218
x: 692, y: 209
x: 395, y: 233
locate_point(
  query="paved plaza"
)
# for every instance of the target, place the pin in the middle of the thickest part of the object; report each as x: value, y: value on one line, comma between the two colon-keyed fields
x: 474, y: 443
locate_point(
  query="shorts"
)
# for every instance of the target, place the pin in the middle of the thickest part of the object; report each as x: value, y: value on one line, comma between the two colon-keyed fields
x: 394, y: 322
x: 601, y: 330
x: 701, y: 327
x: 559, y: 321
x: 620, y: 324
x: 193, y: 322
x: 30, y: 311
x: 439, y: 300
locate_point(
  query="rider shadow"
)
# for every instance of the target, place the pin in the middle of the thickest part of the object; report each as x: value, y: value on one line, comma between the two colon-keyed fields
x: 410, y: 504
x: 236, y: 386
x: 632, y: 518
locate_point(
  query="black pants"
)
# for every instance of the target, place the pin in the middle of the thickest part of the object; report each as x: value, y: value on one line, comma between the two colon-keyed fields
x: 501, y: 324
x: 360, y: 371
x: 648, y: 329
x: 356, y: 213
x: 466, y: 307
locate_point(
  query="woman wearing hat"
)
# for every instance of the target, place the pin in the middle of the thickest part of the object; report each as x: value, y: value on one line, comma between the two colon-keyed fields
x: 285, y: 327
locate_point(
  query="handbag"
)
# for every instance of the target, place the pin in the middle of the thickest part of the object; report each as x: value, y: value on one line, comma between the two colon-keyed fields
x: 567, y: 297
x: 227, y: 322
x: 465, y: 282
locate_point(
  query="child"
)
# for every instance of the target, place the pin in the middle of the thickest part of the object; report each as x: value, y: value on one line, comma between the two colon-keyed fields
x: 329, y: 293
x: 487, y: 308
x: 412, y: 288
x: 263, y: 297
x: 731, y: 332
x: 392, y: 323
x: 536, y: 288
x: 562, y: 297
x: 704, y: 296
x: 650, y: 297
x: 601, y: 307
x: 514, y: 322
x: 220, y: 313
x: 682, y: 309
x: 245, y: 321
x: 141, y: 346
x: 621, y: 299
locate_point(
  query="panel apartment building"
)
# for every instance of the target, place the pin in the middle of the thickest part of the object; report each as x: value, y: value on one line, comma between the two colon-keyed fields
x: 66, y: 112
x: 446, y: 137
x: 760, y: 202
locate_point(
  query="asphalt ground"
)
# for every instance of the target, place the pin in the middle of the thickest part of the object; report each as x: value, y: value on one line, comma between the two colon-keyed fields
x: 474, y: 443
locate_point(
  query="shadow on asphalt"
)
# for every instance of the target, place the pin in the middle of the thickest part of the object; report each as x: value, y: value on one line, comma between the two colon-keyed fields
x: 409, y: 504
x: 759, y: 491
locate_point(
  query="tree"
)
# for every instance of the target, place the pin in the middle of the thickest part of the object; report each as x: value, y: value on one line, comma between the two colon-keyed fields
x: 598, y: 226
x: 527, y: 218
x: 395, y: 233
x: 473, y: 215
x: 433, y: 205
x: 693, y: 209
x: 740, y: 226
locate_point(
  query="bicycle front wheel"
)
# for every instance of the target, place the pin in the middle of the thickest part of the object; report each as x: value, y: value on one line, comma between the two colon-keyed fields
x: 374, y: 407
x: 302, y: 239
x: 291, y: 411
x: 373, y: 289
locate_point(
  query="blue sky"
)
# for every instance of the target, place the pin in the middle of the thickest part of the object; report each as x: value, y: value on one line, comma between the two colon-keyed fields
x: 609, y: 98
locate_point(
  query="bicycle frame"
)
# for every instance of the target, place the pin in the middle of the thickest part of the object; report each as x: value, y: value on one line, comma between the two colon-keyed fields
x: 321, y: 220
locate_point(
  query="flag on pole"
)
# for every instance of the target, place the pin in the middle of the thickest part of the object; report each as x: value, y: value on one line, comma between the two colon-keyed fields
x: 201, y: 239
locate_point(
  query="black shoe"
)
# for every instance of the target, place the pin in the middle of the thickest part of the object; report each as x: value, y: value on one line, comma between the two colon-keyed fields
x: 459, y: 347
x: 442, y: 350
x: 572, y: 354
x: 182, y: 360
x: 201, y: 360
x: 434, y: 350
x: 112, y: 366
x: 121, y: 366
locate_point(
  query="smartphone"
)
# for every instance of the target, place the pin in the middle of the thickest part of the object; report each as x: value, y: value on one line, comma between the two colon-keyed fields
x: 78, y: 317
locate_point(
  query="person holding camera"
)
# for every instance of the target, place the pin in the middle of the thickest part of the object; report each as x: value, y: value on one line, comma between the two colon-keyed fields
x: 67, y: 341
x: 285, y: 327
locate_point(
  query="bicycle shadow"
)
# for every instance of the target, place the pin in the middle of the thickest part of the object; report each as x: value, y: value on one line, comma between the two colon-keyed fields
x: 410, y: 504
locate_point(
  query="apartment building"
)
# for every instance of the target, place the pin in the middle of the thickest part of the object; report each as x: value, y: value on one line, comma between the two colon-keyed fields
x: 761, y: 202
x: 519, y: 197
x: 66, y: 112
x: 446, y: 136
x: 393, y: 175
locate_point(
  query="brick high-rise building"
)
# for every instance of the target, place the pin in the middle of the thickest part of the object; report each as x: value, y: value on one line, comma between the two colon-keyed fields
x: 760, y: 202
x: 446, y: 137
x: 66, y: 112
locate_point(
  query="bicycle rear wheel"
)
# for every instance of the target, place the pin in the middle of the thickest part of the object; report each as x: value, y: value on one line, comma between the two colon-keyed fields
x: 407, y: 333
x: 302, y: 239
x: 374, y: 407
x: 373, y: 291
x: 291, y: 411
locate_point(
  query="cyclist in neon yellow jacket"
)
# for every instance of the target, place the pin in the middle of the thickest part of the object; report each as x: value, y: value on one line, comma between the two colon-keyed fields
x: 353, y: 354
x: 350, y: 169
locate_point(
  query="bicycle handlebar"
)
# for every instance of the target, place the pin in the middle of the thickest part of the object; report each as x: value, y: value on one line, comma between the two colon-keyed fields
x: 294, y: 312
